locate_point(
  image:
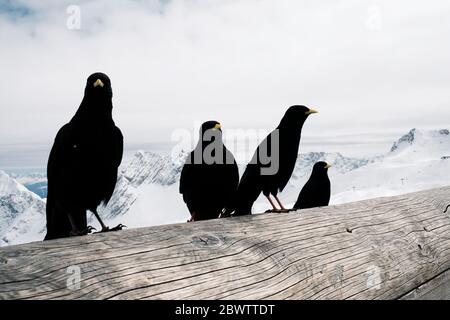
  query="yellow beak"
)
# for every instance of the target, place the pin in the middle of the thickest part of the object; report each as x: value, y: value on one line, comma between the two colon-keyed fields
x: 311, y: 111
x: 218, y: 126
x: 98, y: 83
x: 328, y: 166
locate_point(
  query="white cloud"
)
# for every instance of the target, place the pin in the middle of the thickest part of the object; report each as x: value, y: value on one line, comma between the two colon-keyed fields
x: 241, y: 62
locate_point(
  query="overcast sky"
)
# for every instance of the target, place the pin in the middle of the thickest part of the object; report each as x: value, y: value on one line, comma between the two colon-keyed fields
x: 368, y: 66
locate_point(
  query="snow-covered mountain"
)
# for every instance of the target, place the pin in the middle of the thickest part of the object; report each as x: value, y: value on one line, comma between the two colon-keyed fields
x: 34, y: 180
x: 417, y: 161
x: 145, y: 170
x: 341, y: 164
x: 22, y: 213
x: 147, y: 188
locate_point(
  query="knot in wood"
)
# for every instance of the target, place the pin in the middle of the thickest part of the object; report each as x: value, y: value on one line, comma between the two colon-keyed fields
x: 205, y: 240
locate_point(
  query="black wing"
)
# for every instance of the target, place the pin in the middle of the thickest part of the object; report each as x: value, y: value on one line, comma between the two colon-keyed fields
x: 118, y: 147
x: 186, y: 182
x: 314, y: 194
x: 116, y: 160
x: 252, y: 181
x: 304, y: 197
x: 248, y: 190
x: 231, y: 180
x: 289, y: 146
x: 58, y: 224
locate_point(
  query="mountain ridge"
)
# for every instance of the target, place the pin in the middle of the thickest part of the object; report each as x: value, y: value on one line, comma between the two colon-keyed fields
x: 147, y: 188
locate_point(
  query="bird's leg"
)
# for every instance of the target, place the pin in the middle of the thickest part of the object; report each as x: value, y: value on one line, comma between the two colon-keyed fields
x: 104, y: 227
x: 279, y: 203
x: 192, y: 219
x: 446, y: 209
x: 75, y: 231
x: 224, y: 214
x: 283, y: 209
x: 274, y: 209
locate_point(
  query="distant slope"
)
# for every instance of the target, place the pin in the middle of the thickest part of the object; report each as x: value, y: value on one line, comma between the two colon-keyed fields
x: 416, y: 162
x: 34, y: 180
x: 145, y: 169
x: 22, y: 213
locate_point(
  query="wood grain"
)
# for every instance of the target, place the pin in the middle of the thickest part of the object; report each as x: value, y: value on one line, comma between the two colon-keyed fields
x: 385, y: 248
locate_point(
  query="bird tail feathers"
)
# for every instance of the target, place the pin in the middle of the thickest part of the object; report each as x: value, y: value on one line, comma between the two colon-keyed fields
x: 247, y: 194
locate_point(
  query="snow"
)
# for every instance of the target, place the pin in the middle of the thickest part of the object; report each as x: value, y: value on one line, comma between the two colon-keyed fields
x: 9, y: 186
x: 414, y: 163
x: 22, y: 213
x: 164, y: 206
x: 147, y: 189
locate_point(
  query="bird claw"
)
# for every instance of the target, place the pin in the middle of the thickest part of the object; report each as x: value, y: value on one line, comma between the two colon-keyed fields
x: 278, y: 211
x: 116, y: 228
x: 192, y: 218
x: 76, y: 233
x: 224, y: 215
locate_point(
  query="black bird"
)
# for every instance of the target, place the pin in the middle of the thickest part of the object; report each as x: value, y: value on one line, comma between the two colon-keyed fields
x: 210, y: 176
x: 317, y: 190
x: 273, y: 162
x: 82, y: 166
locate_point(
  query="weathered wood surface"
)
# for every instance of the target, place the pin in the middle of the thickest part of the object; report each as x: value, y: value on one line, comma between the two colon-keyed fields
x: 384, y: 248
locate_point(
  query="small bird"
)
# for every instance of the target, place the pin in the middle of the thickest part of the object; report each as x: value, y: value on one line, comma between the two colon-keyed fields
x: 83, y: 163
x: 210, y: 176
x: 273, y: 162
x: 317, y: 190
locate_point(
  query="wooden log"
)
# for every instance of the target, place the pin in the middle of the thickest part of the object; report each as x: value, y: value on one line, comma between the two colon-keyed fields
x: 385, y: 248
